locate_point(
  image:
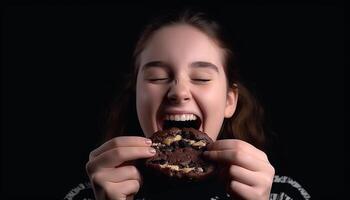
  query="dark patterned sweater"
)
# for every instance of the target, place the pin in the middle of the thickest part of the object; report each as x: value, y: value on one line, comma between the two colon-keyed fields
x: 283, y: 188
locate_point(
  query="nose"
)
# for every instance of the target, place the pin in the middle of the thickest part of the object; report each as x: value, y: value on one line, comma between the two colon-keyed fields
x: 178, y: 92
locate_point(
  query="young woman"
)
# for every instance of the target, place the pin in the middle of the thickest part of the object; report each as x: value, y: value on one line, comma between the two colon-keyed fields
x: 184, y: 67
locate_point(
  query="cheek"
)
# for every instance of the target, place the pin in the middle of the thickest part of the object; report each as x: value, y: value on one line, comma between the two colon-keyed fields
x: 212, y: 102
x: 148, y: 99
x: 142, y: 102
x: 213, y: 97
x: 214, y: 105
x: 148, y: 94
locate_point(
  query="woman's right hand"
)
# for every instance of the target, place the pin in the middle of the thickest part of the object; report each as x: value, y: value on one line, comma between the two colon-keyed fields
x: 111, y: 169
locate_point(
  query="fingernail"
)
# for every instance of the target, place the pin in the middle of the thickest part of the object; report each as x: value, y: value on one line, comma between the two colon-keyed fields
x: 148, y: 141
x: 152, y: 151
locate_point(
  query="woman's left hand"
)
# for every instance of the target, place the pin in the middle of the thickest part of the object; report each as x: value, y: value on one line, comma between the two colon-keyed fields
x: 248, y: 169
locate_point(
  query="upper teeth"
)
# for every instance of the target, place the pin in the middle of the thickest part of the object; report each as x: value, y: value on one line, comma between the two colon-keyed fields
x: 182, y: 117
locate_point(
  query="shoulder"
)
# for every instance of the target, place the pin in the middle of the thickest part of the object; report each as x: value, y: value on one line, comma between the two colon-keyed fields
x: 283, y: 188
x: 286, y: 188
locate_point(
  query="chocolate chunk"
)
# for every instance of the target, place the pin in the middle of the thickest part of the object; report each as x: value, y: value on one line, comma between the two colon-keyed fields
x: 183, y: 143
x: 186, y: 134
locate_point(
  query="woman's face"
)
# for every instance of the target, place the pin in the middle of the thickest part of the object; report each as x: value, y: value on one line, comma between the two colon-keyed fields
x: 181, y: 81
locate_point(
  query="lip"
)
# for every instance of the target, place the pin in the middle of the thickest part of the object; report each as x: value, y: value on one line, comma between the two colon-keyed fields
x: 161, y: 116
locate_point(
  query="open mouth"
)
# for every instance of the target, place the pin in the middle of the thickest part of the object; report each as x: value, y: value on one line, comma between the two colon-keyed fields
x: 181, y: 121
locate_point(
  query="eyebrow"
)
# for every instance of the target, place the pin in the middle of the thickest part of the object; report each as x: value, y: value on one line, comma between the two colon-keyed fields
x: 202, y: 64
x: 197, y: 64
x: 155, y: 64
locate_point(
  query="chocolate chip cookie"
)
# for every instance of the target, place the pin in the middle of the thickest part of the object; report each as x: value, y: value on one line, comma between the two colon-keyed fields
x: 179, y: 154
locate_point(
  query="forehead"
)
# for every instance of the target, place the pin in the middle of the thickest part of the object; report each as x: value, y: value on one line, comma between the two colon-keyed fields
x: 181, y: 44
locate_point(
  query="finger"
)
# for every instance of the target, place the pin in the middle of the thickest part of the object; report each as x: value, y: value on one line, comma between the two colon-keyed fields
x: 116, y: 175
x: 237, y: 158
x: 117, y: 156
x: 131, y: 197
x: 122, y: 141
x: 238, y: 145
x: 243, y: 175
x: 129, y: 187
x: 242, y: 190
x: 121, y: 190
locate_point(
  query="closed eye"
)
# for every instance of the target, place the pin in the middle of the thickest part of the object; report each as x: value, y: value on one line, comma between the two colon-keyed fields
x: 201, y: 80
x: 158, y: 79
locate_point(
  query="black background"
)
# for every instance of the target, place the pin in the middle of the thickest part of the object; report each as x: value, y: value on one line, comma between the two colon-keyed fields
x: 63, y: 62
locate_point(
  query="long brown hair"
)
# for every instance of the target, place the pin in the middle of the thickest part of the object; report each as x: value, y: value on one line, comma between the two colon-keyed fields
x: 247, y: 122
